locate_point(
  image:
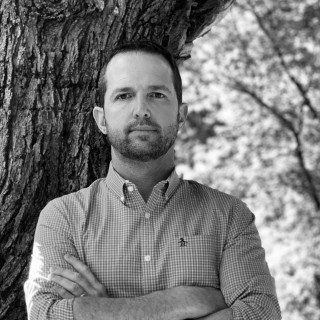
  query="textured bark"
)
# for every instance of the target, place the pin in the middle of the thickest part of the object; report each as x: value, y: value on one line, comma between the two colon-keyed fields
x: 51, y: 53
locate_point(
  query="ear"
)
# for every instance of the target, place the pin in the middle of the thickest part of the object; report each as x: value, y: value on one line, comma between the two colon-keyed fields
x: 183, y: 112
x: 98, y: 114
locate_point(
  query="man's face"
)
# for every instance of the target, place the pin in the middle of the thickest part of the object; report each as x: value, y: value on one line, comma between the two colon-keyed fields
x: 140, y: 105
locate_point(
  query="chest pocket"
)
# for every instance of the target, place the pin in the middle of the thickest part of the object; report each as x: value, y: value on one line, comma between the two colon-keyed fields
x: 190, y: 260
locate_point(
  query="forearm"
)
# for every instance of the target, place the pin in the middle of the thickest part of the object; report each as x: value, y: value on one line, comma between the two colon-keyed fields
x: 157, y: 305
x: 225, y: 314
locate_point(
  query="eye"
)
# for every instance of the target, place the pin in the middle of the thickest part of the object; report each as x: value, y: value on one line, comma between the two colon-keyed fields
x: 157, y: 95
x: 123, y: 96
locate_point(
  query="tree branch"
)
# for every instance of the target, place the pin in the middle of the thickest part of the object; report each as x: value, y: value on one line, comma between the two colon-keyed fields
x: 244, y: 89
x: 311, y: 186
x: 303, y: 91
x: 312, y: 190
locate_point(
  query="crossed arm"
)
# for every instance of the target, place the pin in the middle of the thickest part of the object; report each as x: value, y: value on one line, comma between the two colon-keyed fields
x: 90, y: 299
x: 245, y: 281
x: 45, y: 300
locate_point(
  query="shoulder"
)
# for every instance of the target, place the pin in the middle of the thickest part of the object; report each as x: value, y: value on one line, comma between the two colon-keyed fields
x: 73, y: 205
x: 206, y: 193
x: 211, y: 200
x: 81, y: 197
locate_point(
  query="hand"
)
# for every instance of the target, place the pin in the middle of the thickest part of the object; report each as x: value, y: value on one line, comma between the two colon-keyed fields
x: 197, y: 302
x: 81, y: 282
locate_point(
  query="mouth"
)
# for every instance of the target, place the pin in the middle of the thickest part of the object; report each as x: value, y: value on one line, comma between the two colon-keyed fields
x: 143, y: 129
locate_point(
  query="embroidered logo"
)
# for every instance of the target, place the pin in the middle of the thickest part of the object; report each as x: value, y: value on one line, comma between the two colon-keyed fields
x: 182, y: 242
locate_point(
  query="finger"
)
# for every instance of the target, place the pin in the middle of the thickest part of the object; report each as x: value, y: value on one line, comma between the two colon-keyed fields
x: 75, y: 277
x: 63, y: 293
x: 66, y: 284
x: 84, y: 271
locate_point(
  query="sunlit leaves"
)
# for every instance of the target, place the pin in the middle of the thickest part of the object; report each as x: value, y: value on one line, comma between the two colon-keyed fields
x: 254, y: 81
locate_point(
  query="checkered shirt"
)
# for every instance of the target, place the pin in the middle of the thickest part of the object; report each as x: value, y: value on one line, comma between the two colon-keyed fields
x: 186, y: 234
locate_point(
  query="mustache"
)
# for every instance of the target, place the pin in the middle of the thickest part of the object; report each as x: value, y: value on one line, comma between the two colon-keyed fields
x: 143, y: 122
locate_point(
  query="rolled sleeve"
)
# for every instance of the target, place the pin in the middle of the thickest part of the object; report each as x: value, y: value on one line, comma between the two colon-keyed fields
x: 245, y: 279
x: 52, y: 241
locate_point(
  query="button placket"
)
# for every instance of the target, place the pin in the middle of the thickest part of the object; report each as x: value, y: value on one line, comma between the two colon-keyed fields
x: 147, y: 215
x: 147, y: 253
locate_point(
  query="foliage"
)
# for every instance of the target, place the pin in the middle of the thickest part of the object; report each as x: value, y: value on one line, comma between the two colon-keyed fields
x: 254, y: 131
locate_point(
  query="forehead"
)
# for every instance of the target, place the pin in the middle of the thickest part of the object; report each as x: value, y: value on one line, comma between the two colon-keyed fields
x: 138, y: 68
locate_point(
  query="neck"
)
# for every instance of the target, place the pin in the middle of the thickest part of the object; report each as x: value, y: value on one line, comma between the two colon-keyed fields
x: 145, y: 175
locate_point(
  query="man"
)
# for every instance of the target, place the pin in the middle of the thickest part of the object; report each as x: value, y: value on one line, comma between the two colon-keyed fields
x: 142, y: 243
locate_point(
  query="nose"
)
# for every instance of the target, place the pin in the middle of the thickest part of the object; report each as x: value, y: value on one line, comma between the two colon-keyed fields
x: 142, y: 109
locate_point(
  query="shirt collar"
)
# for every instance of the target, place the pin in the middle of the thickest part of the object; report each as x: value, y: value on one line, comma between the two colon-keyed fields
x: 117, y: 184
x: 171, y: 184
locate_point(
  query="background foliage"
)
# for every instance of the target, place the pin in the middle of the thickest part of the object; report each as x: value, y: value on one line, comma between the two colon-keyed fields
x: 252, y: 86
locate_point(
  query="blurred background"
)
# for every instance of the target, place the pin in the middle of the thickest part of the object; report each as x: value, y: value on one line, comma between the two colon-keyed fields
x: 253, y: 131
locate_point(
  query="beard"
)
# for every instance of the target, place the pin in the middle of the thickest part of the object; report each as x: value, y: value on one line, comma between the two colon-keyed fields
x: 144, y: 147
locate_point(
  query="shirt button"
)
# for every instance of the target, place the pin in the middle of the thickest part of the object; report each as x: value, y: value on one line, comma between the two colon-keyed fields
x: 147, y: 258
x: 147, y: 215
x: 130, y: 188
x: 122, y: 199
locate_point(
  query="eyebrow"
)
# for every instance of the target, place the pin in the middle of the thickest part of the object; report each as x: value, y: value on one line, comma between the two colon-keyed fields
x: 130, y: 89
x: 118, y: 90
x: 161, y: 88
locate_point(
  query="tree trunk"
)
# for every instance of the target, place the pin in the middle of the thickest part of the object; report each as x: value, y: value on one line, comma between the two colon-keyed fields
x: 51, y: 53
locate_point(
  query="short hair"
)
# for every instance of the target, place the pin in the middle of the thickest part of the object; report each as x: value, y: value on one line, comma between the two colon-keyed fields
x: 147, y: 47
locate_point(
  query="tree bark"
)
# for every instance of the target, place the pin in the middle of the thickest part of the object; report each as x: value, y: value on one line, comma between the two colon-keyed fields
x: 51, y: 53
